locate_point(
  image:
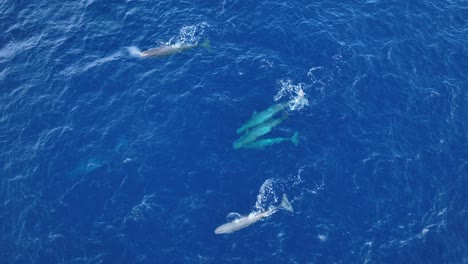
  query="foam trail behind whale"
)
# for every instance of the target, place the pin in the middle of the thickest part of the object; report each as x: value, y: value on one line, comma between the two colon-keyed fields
x: 135, y: 51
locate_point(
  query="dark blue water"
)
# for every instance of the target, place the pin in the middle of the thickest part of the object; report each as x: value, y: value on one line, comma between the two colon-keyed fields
x: 110, y: 158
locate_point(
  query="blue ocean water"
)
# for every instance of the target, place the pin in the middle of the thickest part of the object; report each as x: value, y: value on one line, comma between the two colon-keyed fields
x: 110, y: 158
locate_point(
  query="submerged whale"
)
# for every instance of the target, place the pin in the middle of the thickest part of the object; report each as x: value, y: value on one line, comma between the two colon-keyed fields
x: 260, y: 144
x: 257, y: 132
x: 252, y: 218
x: 259, y: 118
x: 168, y: 50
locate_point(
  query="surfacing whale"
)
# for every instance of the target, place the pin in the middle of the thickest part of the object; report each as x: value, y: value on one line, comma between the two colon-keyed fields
x: 164, y: 51
x: 253, y: 217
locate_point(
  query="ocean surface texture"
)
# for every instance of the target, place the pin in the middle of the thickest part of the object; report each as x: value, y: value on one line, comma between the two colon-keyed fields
x: 110, y: 157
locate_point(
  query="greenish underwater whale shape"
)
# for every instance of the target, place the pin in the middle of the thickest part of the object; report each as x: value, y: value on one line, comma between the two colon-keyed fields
x: 262, y: 143
x: 259, y: 118
x: 257, y: 132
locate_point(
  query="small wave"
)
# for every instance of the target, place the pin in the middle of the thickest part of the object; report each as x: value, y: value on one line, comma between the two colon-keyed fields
x: 294, y: 92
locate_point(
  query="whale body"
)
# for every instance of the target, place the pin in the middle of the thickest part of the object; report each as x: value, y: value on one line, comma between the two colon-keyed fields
x: 260, y: 144
x: 165, y: 50
x: 259, y: 118
x: 252, y: 218
x: 168, y: 50
x: 257, y: 132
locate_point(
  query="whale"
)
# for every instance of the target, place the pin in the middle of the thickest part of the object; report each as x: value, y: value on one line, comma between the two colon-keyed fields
x: 164, y: 51
x: 259, y: 118
x: 252, y: 218
x: 261, y: 144
x: 257, y: 132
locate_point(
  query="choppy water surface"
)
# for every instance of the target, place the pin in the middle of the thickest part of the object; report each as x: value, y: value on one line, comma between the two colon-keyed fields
x: 106, y: 157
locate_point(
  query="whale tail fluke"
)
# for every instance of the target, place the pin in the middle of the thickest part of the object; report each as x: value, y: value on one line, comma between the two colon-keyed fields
x: 135, y: 52
x: 295, y: 139
x: 286, y: 205
x: 206, y: 44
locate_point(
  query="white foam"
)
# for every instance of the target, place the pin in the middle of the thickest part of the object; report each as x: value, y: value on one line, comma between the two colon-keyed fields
x: 190, y: 35
x: 134, y: 51
x: 322, y: 237
x: 266, y: 195
x: 222, y: 7
x: 294, y: 92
